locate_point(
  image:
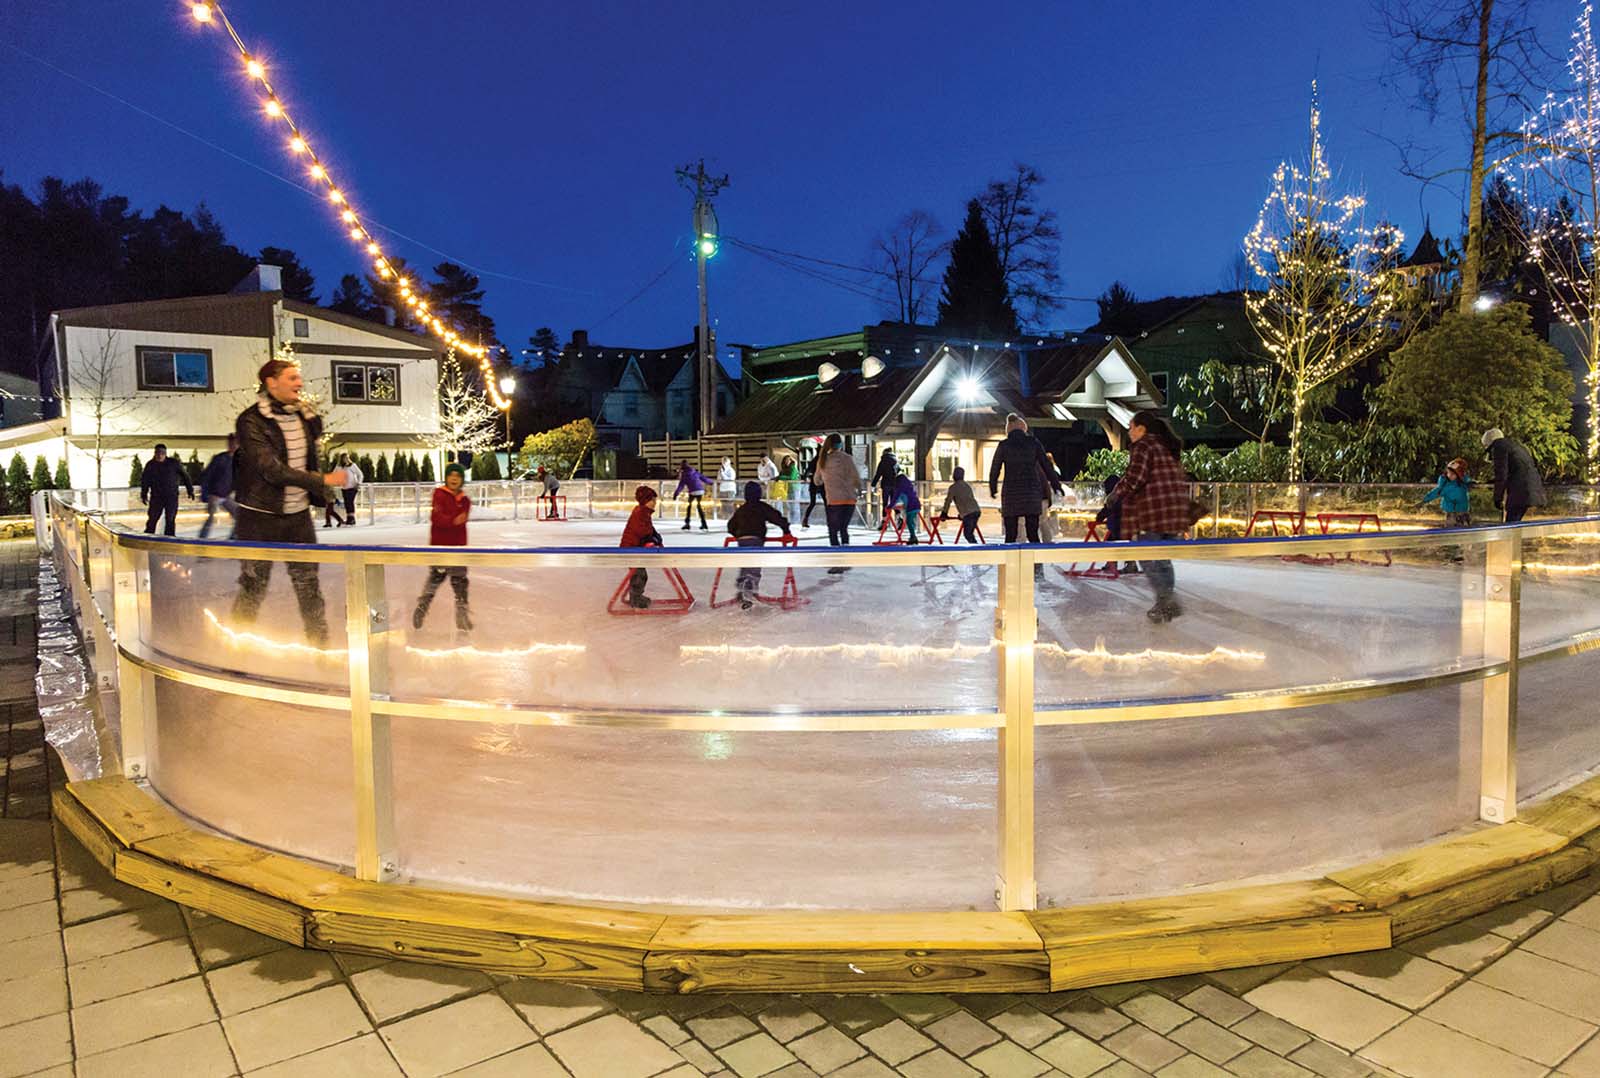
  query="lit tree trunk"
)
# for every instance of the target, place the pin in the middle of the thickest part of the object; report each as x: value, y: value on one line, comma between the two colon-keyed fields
x: 1295, y: 467
x: 1472, y: 258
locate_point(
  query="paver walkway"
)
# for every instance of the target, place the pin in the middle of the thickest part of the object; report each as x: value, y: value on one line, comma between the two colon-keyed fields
x: 99, y: 979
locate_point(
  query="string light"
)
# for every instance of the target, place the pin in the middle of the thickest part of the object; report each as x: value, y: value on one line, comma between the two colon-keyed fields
x: 209, y: 12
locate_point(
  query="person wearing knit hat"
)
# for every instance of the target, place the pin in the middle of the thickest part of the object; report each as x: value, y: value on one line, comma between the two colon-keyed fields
x: 447, y: 527
x: 1517, y: 483
x: 640, y: 531
x: 1453, y: 493
x: 748, y: 525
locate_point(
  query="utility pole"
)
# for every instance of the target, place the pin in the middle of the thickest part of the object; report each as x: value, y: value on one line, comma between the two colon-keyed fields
x: 705, y: 187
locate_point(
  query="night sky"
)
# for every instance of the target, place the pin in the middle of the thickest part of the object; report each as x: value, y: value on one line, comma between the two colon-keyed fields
x: 536, y: 142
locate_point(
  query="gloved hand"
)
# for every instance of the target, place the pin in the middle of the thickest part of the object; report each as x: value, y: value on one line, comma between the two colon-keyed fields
x: 1100, y: 517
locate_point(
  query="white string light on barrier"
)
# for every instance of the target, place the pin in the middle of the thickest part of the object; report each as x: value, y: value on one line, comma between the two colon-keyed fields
x: 211, y: 13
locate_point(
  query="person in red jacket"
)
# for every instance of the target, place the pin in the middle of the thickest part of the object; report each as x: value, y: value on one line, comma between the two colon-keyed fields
x: 448, y: 527
x: 640, y: 532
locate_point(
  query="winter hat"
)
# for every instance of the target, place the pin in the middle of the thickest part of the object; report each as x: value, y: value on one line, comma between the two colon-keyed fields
x: 959, y: 474
x: 644, y: 494
x: 1459, y: 466
x: 457, y: 469
x: 1491, y: 436
x: 752, y: 491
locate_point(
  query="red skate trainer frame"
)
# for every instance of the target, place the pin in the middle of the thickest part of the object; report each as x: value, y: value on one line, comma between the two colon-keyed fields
x: 938, y: 522
x: 786, y: 599
x: 1110, y: 570
x: 900, y: 530
x: 681, y: 602
x: 542, y: 507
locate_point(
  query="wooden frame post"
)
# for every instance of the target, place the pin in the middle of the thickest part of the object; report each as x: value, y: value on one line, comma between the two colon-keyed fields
x: 1016, y: 625
x: 1502, y: 642
x: 136, y: 686
x: 366, y: 624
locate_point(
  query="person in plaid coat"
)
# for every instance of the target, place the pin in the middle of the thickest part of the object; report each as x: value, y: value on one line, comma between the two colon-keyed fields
x: 1154, y: 498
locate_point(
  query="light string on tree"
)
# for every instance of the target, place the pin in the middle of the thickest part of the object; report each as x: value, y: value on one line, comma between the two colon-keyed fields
x: 207, y: 12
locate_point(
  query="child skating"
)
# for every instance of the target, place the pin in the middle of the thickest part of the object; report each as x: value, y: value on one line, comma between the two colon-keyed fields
x: 1454, y: 494
x: 640, y: 531
x: 904, y: 500
x: 966, y: 503
x: 448, y: 527
x: 749, y: 526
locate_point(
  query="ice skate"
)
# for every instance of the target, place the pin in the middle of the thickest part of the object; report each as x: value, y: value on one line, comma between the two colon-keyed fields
x: 463, y: 620
x: 418, y: 615
x: 639, y: 602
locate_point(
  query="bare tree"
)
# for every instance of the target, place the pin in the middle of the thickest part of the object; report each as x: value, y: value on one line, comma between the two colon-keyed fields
x: 1485, y: 54
x: 1027, y: 239
x: 1236, y: 275
x: 93, y: 386
x: 467, y: 421
x: 904, y: 255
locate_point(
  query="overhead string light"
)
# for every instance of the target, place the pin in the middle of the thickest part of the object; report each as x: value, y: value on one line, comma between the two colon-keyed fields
x: 272, y: 105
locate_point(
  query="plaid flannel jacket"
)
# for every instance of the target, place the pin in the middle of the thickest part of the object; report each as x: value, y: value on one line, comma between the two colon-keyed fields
x: 1155, y: 491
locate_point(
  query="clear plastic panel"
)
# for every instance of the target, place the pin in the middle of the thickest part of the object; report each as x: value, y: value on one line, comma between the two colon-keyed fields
x: 1558, y: 737
x: 1560, y: 588
x: 1148, y: 808
x: 272, y: 774
x: 194, y: 619
x: 1252, y: 624
x: 867, y: 640
x: 766, y: 820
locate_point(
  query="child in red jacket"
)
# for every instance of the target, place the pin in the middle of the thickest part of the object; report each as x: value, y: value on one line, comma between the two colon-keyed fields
x: 448, y: 527
x: 640, y: 532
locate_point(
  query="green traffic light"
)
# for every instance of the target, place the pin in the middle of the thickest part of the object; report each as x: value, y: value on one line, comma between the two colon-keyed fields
x: 708, y: 245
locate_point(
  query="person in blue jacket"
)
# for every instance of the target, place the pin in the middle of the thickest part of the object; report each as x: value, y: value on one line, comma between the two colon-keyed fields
x: 695, y: 483
x: 903, y: 500
x: 1453, y: 493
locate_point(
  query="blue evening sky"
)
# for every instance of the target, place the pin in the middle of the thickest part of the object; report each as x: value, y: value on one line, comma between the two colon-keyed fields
x: 536, y: 141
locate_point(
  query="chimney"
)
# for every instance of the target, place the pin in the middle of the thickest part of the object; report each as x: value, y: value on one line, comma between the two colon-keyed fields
x: 388, y: 314
x: 580, y: 339
x: 264, y: 278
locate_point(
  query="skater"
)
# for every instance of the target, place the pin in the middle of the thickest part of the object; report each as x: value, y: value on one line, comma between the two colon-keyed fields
x: 966, y: 503
x: 883, y: 478
x: 814, y: 485
x: 216, y: 486
x: 448, y: 527
x: 330, y: 512
x: 766, y: 473
x: 1047, y: 521
x: 1026, y: 469
x: 788, y: 476
x: 275, y: 484
x: 352, y: 486
x: 551, y: 485
x: 640, y: 531
x: 695, y: 483
x: 727, y: 484
x: 1517, y: 486
x: 1453, y: 493
x: 841, y: 486
x: 161, y: 478
x: 749, y: 525
x: 1112, y: 532
x: 1155, y: 501
x: 904, y: 501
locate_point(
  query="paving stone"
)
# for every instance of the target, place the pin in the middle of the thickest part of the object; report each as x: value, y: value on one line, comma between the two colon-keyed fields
x: 1395, y: 975
x: 221, y: 943
x: 919, y: 1010
x: 548, y: 1006
x: 1091, y: 1017
x: 131, y: 971
x: 361, y: 1057
x: 102, y: 897
x: 665, y: 1029
x: 1217, y: 1005
x: 610, y: 1047
x: 1326, y: 1008
x: 1240, y: 981
x: 1460, y: 946
x: 1527, y: 1029
x: 1026, y: 1025
x: 199, y: 1052
x: 122, y: 932
x: 755, y: 1056
x: 400, y: 988
x: 34, y: 919
x: 1556, y: 985
x: 788, y: 1019
x: 1260, y: 1063
x: 826, y: 1050
x: 1144, y: 1048
x: 25, y: 957
x: 1559, y: 900
x: 1565, y: 941
x: 1513, y: 920
x: 961, y: 1033
x: 1272, y: 1033
x: 1075, y: 1055
x: 292, y: 1027
x: 1586, y: 913
x: 1007, y: 1060
x: 1585, y: 1062
x: 1157, y: 1012
x: 481, y: 1027
x: 1192, y: 1067
x: 853, y: 1014
x: 100, y: 1027
x: 985, y: 1005
x: 718, y: 1029
x: 936, y: 1064
x: 1418, y: 1046
x: 1208, y: 1040
x: 33, y: 1046
x: 895, y: 1042
x: 793, y: 1070
x: 1122, y: 1069
x: 700, y: 1056
x: 1116, y: 994
x: 1328, y: 1061
x: 30, y: 997
x: 1176, y: 987
x: 26, y: 890
x: 353, y: 964
x: 866, y: 1067
x: 259, y: 981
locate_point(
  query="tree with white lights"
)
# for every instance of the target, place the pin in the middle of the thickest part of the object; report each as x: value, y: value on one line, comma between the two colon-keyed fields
x: 467, y: 421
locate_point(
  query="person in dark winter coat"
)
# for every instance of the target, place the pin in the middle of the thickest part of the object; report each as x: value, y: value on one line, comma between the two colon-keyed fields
x: 1453, y: 492
x: 1154, y: 496
x: 1027, y: 471
x: 1517, y: 485
x: 640, y: 531
x: 276, y: 481
x: 159, y: 490
x: 748, y: 524
x: 695, y: 483
x: 1113, y: 520
x: 883, y: 477
x: 216, y: 485
x: 447, y: 527
x: 814, y: 485
x: 966, y: 503
x: 903, y: 500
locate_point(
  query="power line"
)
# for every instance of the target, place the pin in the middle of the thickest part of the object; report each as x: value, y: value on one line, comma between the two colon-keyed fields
x: 648, y: 286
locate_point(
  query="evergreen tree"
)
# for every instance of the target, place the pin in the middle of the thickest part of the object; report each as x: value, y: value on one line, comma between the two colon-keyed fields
x: 136, y: 473
x: 545, y: 346
x: 974, y: 300
x: 41, y: 475
x: 63, y: 476
x: 19, y: 485
x: 427, y: 469
x: 382, y: 474
x: 353, y: 297
x: 368, y: 471
x: 193, y: 468
x: 1118, y: 310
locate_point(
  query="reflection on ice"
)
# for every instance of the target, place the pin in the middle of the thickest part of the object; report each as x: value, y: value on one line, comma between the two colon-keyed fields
x: 1090, y: 660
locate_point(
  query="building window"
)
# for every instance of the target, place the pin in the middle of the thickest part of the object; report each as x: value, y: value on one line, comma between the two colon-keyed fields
x: 302, y: 327
x: 184, y: 370
x: 366, y: 383
x: 1159, y: 380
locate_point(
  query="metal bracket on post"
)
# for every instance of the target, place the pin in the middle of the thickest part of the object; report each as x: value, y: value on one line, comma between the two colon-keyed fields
x: 416, y: 503
x: 366, y: 625
x: 136, y: 686
x: 1016, y: 627
x: 1502, y: 643
x: 516, y: 500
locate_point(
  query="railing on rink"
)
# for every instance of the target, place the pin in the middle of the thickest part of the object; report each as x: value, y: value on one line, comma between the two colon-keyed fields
x: 110, y: 571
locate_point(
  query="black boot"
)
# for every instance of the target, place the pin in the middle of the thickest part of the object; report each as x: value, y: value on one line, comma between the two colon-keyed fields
x: 420, y: 612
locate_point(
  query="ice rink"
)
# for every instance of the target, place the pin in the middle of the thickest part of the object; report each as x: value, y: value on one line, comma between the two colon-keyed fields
x: 868, y: 820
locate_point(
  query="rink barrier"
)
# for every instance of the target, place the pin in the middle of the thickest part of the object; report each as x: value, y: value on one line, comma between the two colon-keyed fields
x: 1366, y: 907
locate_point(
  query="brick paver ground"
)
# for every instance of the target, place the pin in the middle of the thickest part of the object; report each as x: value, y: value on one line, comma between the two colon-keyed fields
x: 99, y: 979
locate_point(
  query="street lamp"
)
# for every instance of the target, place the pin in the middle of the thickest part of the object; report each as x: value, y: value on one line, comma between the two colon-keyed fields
x: 1483, y: 303
x: 508, y: 386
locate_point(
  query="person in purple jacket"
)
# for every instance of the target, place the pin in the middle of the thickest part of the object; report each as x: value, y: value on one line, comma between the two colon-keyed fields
x: 695, y: 483
x: 904, y: 500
